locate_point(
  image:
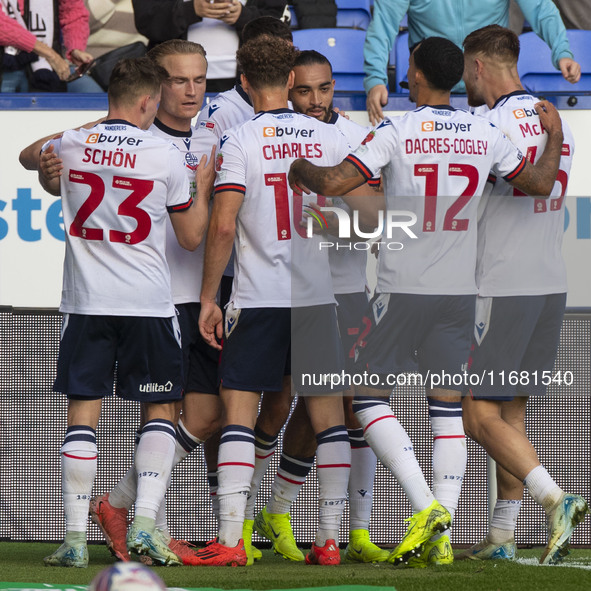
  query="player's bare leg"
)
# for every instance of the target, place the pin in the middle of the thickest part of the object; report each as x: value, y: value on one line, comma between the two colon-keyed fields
x: 509, y: 488
x: 511, y: 449
x: 499, y: 543
x: 505, y: 443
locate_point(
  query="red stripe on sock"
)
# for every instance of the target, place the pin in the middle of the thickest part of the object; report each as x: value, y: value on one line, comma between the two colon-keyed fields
x: 79, y: 457
x: 333, y: 466
x: 378, y: 419
x: 300, y: 482
x: 264, y: 457
x: 449, y: 437
x: 235, y: 464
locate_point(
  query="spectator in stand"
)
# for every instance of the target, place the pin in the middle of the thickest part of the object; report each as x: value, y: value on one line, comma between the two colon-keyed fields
x: 575, y: 13
x: 111, y: 25
x: 32, y: 59
x: 216, y: 26
x: 453, y: 20
x: 315, y: 14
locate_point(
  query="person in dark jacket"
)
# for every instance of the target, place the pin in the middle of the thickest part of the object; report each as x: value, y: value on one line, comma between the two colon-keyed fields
x: 216, y: 26
x: 315, y: 14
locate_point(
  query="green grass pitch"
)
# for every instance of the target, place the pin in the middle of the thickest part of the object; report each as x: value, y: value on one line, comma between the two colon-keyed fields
x: 23, y: 563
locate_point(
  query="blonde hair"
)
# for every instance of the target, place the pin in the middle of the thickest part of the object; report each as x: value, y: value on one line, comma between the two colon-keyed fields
x: 176, y: 47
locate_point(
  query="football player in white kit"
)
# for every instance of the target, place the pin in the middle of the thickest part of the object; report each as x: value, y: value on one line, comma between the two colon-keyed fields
x: 226, y: 110
x: 182, y: 96
x: 118, y: 185
x: 521, y: 280
x: 434, y: 164
x: 312, y: 94
x: 282, y: 309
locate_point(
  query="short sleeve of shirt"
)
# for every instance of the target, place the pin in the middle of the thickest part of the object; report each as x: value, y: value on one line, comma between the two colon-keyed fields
x: 230, y: 165
x: 508, y: 159
x: 375, y: 151
x: 179, y: 192
x: 343, y: 145
x: 56, y: 143
x: 207, y: 121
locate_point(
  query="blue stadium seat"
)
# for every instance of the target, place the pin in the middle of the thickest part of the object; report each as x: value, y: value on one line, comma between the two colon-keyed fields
x: 401, y: 55
x: 343, y: 48
x: 355, y: 14
x: 535, y: 68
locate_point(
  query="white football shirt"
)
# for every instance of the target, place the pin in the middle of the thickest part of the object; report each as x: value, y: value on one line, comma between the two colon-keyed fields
x: 186, y: 267
x: 226, y: 110
x: 520, y: 238
x: 118, y: 185
x: 434, y: 164
x: 348, y: 266
x: 276, y: 265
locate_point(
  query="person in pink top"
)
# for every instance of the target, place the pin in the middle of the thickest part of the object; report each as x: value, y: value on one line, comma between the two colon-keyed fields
x: 30, y: 38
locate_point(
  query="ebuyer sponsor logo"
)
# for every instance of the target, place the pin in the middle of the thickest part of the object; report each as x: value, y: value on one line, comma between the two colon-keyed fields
x: 431, y: 126
x: 285, y: 131
x: 521, y: 113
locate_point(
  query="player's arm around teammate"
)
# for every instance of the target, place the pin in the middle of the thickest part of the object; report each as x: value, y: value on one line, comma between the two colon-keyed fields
x: 535, y: 179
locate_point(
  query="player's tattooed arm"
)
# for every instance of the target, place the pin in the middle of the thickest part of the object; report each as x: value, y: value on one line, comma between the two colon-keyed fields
x: 332, y: 181
x: 538, y: 180
x: 368, y: 200
x: 50, y: 171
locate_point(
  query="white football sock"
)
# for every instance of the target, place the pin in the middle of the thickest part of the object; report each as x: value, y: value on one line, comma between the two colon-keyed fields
x: 79, y: 464
x: 449, y: 452
x: 153, y: 464
x: 235, y: 470
x: 333, y: 464
x: 184, y: 444
x: 264, y: 450
x: 393, y: 447
x: 125, y: 491
x: 290, y: 478
x: 504, y: 520
x: 542, y: 488
x: 361, y: 480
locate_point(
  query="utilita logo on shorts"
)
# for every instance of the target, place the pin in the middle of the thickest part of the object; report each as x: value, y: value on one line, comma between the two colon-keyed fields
x: 389, y: 222
x: 155, y: 387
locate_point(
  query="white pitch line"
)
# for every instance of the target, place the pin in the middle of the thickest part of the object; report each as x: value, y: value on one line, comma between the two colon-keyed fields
x: 534, y: 562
